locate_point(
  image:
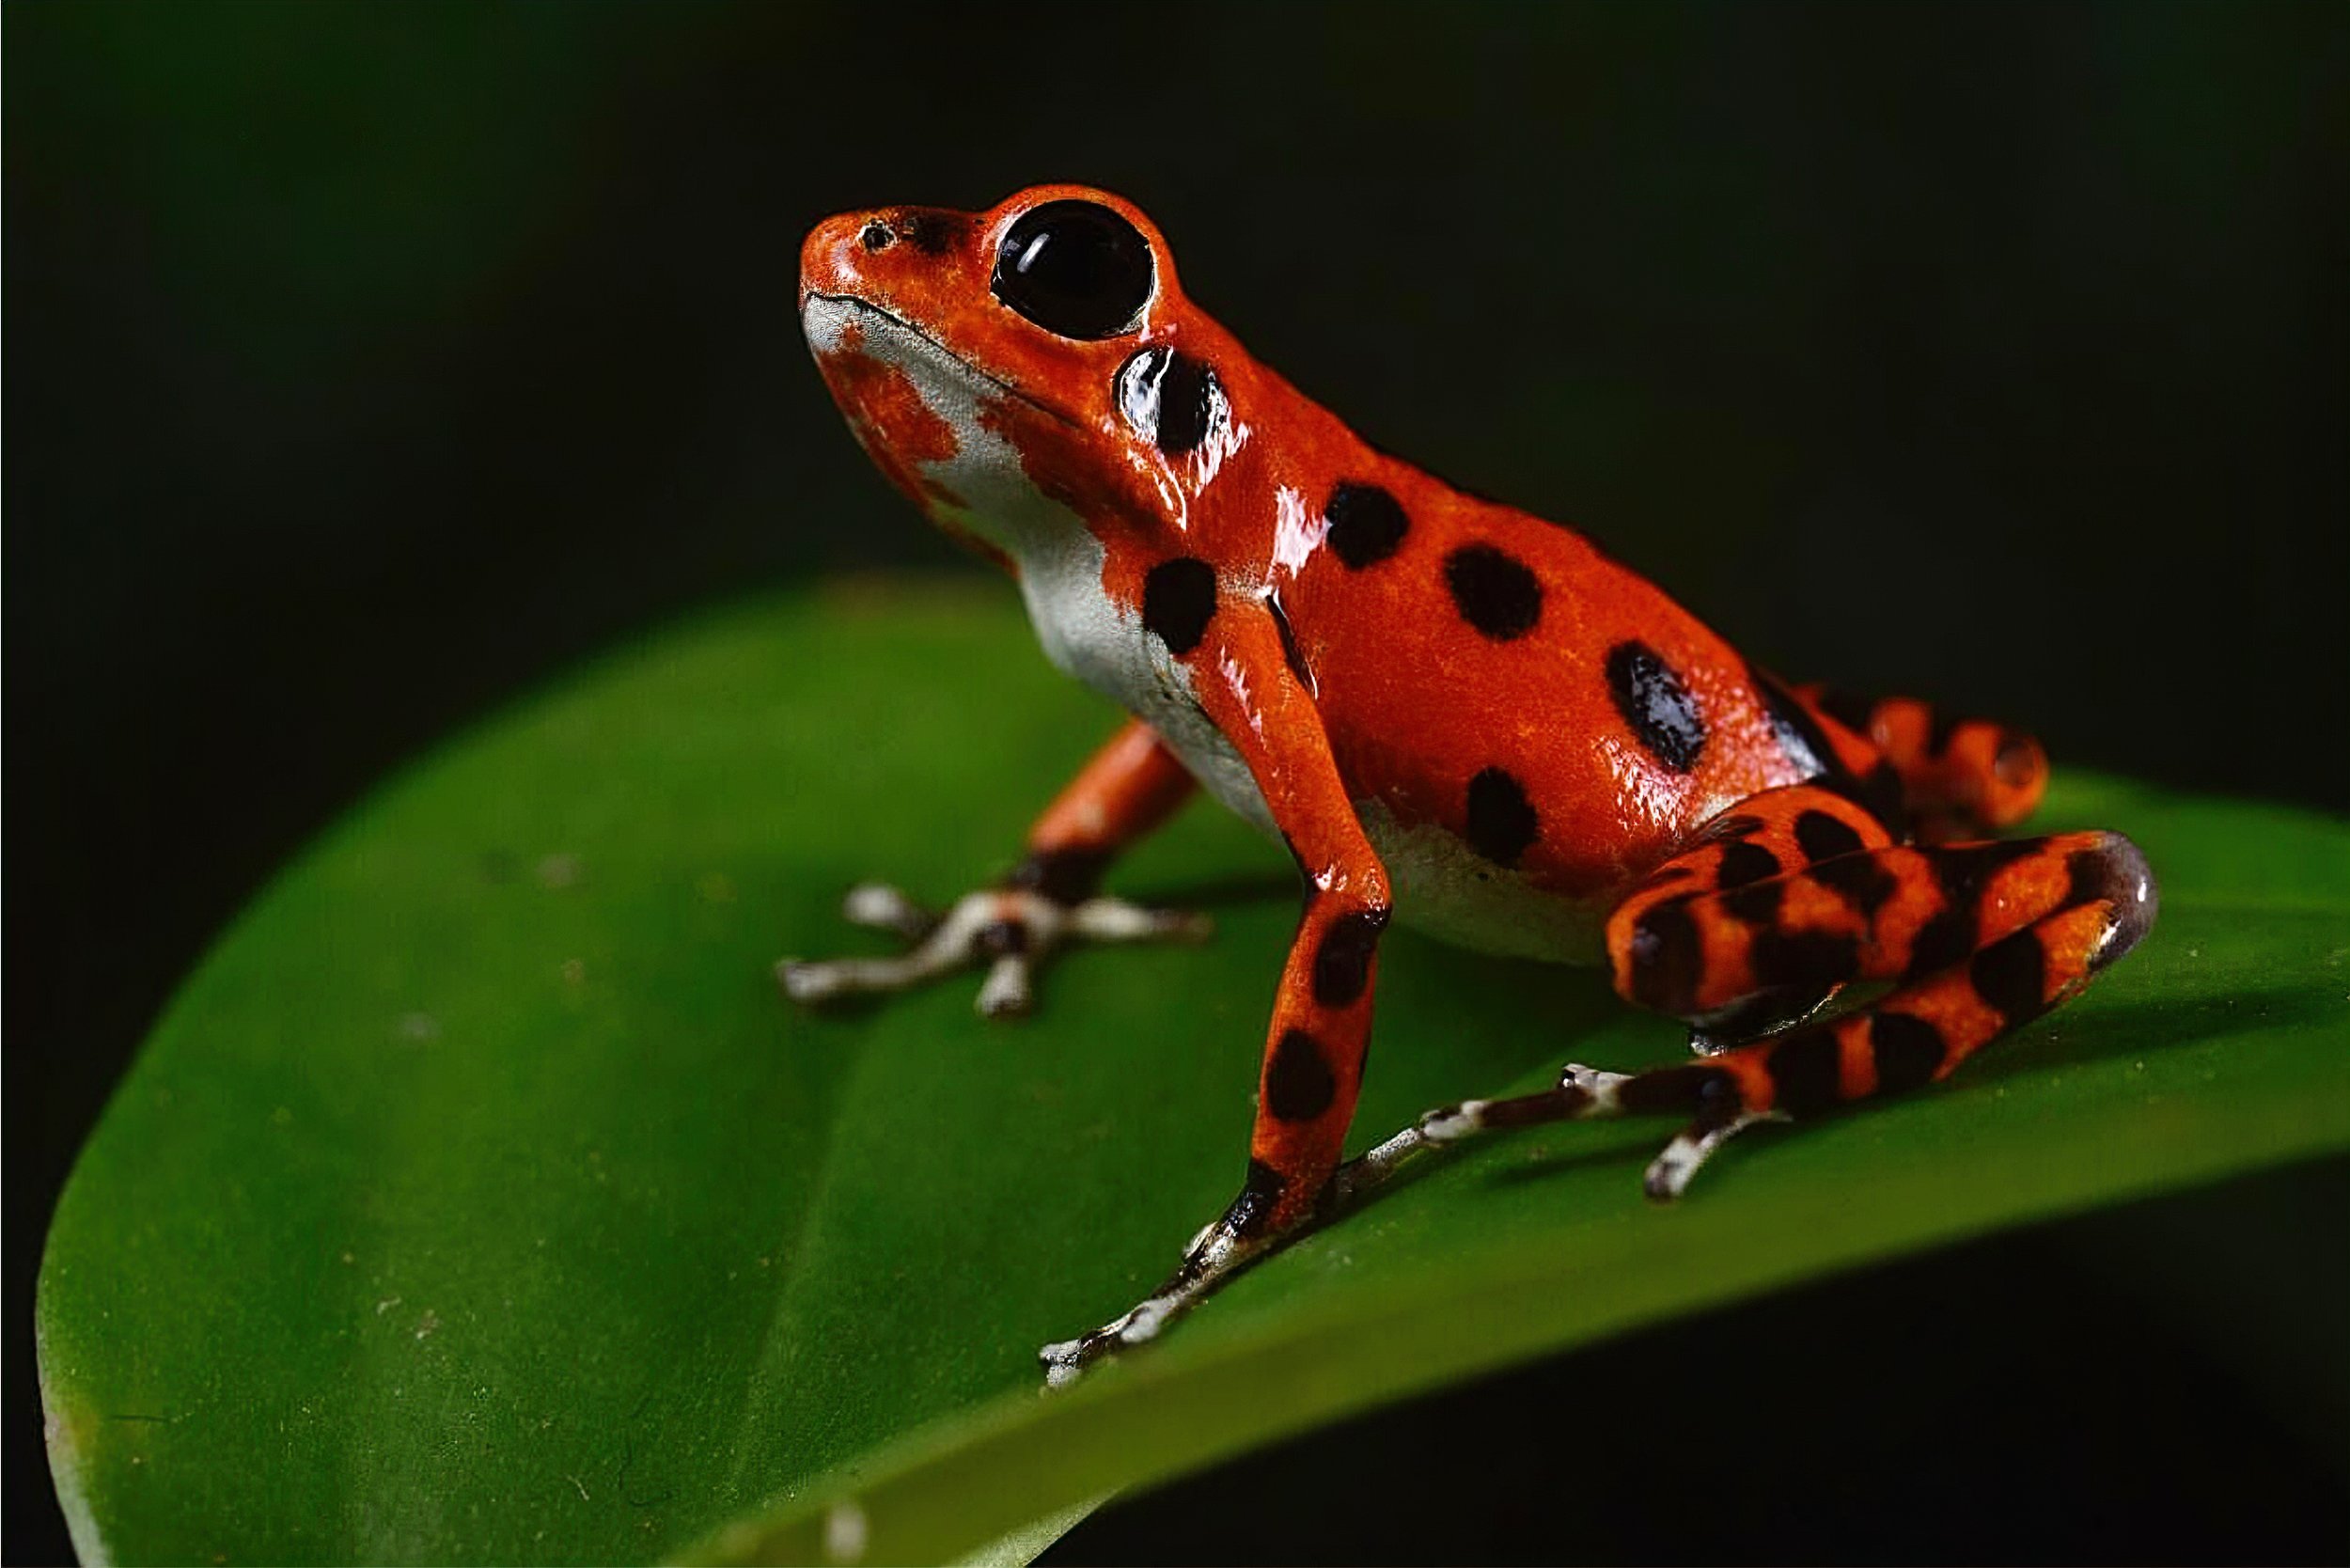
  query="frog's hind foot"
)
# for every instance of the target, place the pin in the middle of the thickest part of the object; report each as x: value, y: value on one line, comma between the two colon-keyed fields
x: 1010, y: 930
x: 1584, y: 1094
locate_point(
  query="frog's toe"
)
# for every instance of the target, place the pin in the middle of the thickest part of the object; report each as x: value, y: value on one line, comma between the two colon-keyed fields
x: 879, y: 906
x: 1102, y: 919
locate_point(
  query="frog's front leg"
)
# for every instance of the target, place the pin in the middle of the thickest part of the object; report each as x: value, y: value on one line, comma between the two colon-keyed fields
x: 1129, y: 788
x: 1312, y: 1064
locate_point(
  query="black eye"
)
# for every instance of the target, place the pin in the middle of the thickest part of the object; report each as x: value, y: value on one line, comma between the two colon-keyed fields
x: 1076, y: 269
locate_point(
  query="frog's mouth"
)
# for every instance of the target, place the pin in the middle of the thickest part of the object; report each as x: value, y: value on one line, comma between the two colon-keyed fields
x: 826, y: 318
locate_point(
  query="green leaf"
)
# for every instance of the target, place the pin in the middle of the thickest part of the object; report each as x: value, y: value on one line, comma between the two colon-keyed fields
x: 479, y: 1198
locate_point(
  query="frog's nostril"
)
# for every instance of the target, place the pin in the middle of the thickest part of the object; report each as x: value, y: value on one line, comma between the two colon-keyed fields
x: 876, y: 235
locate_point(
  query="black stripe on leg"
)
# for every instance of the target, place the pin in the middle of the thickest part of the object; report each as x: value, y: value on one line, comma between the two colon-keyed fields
x: 1665, y: 955
x: 1806, y: 1071
x: 2012, y: 975
x: 1859, y: 879
x: 1260, y: 1194
x: 1822, y: 837
x: 1907, y: 1049
x: 1804, y: 958
x: 1298, y: 1085
x: 1342, y: 960
x: 1742, y: 863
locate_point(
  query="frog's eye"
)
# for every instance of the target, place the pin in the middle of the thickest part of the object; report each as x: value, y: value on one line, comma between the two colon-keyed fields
x: 1075, y: 268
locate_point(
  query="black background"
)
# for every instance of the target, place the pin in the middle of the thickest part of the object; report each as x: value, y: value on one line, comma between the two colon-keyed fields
x: 366, y: 366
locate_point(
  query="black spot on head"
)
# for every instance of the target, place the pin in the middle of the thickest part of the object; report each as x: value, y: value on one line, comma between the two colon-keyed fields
x: 1806, y: 1072
x: 1804, y: 958
x: 1822, y: 837
x: 1501, y: 820
x: 1298, y: 1083
x: 1066, y: 875
x: 2011, y: 975
x: 1179, y: 600
x: 1290, y: 653
x: 1366, y: 524
x: 934, y: 232
x: 1342, y: 962
x: 1667, y: 956
x: 1909, y: 1051
x: 1742, y: 863
x: 1171, y: 399
x: 1495, y: 592
x: 1656, y: 705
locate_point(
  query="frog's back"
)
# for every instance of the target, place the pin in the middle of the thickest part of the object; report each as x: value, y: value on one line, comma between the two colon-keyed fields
x: 1529, y: 725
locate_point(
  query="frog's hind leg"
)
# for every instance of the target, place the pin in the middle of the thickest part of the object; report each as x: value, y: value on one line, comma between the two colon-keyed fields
x: 1960, y: 775
x: 1979, y: 938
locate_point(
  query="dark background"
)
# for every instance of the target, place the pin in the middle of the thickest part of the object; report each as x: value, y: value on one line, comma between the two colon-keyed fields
x: 366, y: 366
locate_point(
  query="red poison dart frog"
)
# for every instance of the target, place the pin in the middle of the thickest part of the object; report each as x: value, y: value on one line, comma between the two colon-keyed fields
x: 1452, y: 713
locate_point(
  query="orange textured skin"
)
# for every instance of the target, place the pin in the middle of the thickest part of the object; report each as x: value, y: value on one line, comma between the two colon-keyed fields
x: 1363, y: 639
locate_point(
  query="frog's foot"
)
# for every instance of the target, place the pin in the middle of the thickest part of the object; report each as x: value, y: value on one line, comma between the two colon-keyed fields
x: 1217, y: 1254
x: 1011, y: 930
x: 1584, y: 1094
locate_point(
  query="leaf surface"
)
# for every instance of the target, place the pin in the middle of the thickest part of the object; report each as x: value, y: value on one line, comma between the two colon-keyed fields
x: 479, y: 1198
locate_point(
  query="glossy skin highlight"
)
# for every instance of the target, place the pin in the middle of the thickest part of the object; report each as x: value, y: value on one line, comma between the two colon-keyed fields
x: 1453, y: 712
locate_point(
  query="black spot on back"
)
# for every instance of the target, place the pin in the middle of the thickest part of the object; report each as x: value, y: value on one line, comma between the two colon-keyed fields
x: 1179, y: 600
x: 1822, y: 837
x: 1367, y: 525
x: 2010, y: 975
x: 1342, y: 962
x: 1298, y: 1083
x: 1742, y: 863
x: 1666, y: 956
x: 1290, y: 653
x: 1805, y: 1071
x: 1501, y: 820
x: 1496, y: 592
x: 1656, y: 705
x: 1909, y: 1051
x: 1170, y: 399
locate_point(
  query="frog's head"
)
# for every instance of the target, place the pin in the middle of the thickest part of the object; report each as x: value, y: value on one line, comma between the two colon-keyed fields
x: 1009, y: 368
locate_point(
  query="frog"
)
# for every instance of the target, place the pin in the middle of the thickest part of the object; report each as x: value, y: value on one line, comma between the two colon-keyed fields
x: 1451, y: 713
